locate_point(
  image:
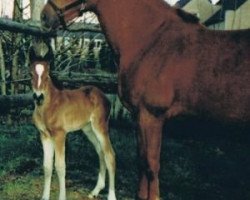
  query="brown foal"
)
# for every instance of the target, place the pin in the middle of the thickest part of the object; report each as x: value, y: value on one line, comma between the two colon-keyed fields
x: 58, y: 112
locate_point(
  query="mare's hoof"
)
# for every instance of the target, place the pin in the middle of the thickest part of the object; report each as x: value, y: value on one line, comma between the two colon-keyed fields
x: 139, y: 198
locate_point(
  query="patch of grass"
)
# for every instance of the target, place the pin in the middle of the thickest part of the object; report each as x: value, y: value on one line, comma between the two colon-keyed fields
x: 30, y: 187
x: 21, y: 172
x: 24, y: 188
x: 20, y: 149
x: 191, y: 169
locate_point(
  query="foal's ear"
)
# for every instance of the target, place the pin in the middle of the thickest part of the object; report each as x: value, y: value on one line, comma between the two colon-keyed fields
x: 47, y: 67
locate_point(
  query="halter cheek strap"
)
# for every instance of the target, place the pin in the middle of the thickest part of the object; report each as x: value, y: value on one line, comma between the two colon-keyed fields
x: 60, y: 11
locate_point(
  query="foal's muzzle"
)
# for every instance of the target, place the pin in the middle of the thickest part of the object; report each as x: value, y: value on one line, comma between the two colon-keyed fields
x: 38, y: 99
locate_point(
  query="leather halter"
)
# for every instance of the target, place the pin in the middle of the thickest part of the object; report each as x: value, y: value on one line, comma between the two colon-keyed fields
x: 60, y: 11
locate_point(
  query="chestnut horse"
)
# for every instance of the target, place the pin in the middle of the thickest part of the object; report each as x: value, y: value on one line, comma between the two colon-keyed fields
x: 169, y: 64
x: 58, y: 112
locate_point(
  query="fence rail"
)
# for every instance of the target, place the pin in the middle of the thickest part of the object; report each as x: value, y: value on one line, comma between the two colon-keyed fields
x: 28, y: 29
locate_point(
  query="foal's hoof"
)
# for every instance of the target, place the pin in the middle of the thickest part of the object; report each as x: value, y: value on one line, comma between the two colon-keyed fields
x: 91, y: 196
x: 111, y: 196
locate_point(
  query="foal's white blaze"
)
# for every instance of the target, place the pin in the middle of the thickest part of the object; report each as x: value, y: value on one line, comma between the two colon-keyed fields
x: 39, y: 70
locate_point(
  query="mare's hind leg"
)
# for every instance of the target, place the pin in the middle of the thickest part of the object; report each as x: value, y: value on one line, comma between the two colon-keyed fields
x: 102, y: 170
x: 100, y: 128
x: 149, y: 141
x: 48, y: 155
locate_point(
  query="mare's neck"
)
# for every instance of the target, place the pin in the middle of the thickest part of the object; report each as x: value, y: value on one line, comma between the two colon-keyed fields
x: 130, y: 24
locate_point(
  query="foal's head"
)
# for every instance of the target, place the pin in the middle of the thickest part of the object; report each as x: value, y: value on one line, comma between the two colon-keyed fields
x: 40, y: 79
x: 59, y: 12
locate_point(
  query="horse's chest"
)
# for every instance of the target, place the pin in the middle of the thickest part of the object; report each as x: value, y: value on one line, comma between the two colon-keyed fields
x: 143, y: 85
x: 38, y: 120
x: 45, y: 119
x: 129, y: 90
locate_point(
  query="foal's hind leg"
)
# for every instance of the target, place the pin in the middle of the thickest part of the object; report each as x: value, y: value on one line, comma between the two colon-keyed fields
x: 102, y: 171
x: 100, y: 128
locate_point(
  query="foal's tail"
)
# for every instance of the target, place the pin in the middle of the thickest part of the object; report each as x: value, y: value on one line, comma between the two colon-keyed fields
x: 107, y: 107
x: 99, y: 99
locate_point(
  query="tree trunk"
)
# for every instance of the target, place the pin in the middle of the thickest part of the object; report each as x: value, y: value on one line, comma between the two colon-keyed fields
x: 36, y: 7
x: 16, y: 39
x: 2, y: 66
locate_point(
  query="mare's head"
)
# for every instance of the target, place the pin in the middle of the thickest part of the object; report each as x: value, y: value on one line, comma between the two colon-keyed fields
x: 59, y: 12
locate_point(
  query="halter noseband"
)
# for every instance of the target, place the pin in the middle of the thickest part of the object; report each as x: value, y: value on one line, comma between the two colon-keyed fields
x: 60, y: 11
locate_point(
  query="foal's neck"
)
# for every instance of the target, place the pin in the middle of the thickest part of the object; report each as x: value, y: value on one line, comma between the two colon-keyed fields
x: 51, y: 91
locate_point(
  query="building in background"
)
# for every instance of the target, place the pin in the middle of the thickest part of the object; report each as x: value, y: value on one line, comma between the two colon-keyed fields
x: 203, y: 9
x: 222, y: 14
x: 233, y: 14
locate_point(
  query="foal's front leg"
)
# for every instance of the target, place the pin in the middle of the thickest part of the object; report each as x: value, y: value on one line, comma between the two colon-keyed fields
x: 59, y: 139
x: 149, y: 141
x: 48, y: 155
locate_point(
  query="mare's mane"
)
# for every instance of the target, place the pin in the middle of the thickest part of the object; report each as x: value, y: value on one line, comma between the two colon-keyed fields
x: 187, y: 17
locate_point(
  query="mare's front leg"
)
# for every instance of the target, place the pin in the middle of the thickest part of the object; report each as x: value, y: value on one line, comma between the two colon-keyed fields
x: 59, y: 139
x: 48, y: 155
x: 149, y: 144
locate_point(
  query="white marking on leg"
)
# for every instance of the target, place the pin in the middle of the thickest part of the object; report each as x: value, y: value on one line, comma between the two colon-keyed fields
x: 61, y: 169
x: 102, y: 170
x: 101, y: 180
x: 48, y: 155
x: 109, y: 158
x: 110, y: 163
x: 39, y: 70
x: 111, y: 195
